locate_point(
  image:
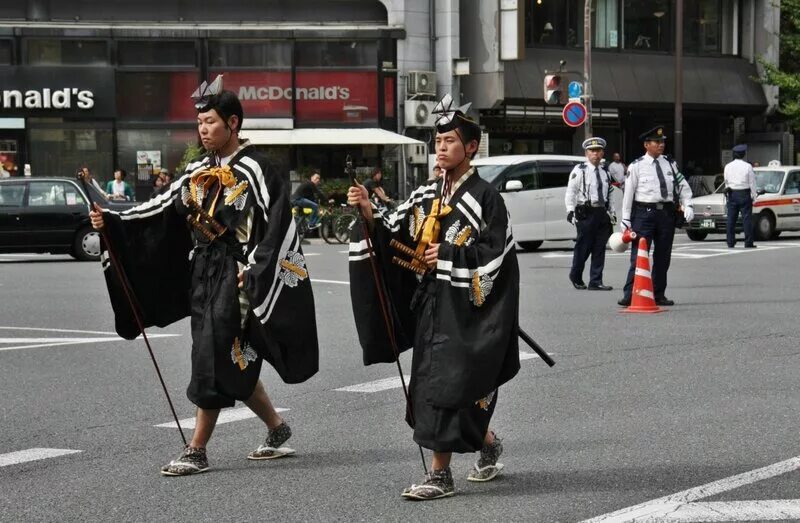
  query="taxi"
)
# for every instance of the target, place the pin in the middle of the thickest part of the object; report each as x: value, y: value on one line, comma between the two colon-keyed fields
x: 776, y: 209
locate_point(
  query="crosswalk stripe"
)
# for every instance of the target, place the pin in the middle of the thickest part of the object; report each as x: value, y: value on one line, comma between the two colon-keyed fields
x: 375, y: 386
x: 34, y: 454
x: 226, y: 416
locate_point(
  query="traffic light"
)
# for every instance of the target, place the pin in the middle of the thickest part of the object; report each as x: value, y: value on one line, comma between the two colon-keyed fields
x: 553, y: 91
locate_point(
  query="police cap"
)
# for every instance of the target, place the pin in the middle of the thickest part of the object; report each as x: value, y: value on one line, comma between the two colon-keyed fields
x: 741, y: 148
x: 594, y: 143
x: 655, y: 134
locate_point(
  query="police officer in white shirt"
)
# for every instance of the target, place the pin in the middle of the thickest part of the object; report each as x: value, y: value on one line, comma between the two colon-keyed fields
x: 740, y: 182
x: 589, y: 209
x: 652, y: 188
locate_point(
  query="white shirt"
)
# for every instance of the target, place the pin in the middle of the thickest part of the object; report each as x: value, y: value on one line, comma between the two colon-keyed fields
x: 582, y: 186
x: 740, y: 175
x: 644, y: 186
x: 617, y: 170
x: 118, y: 188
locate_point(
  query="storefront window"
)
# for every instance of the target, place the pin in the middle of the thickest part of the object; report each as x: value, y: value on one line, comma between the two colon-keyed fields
x: 554, y: 23
x: 701, y: 27
x: 6, y: 52
x: 144, y: 152
x: 148, y: 96
x: 58, y: 148
x: 163, y: 52
x: 40, y: 51
x: 605, y: 16
x: 648, y: 25
x: 271, y: 54
x: 333, y: 54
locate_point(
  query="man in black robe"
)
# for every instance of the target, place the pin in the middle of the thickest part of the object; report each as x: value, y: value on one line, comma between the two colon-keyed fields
x: 239, y: 274
x: 457, y: 306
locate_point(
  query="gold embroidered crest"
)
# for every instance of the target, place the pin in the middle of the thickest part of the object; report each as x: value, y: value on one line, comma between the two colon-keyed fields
x: 486, y: 402
x: 416, y: 221
x: 458, y: 236
x: 236, y: 195
x: 293, y: 269
x: 242, y: 356
x: 480, y: 288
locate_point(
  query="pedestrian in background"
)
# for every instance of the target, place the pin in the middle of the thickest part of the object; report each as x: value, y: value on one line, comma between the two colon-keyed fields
x: 589, y: 209
x: 617, y: 168
x: 653, y: 188
x: 118, y: 188
x: 740, y: 182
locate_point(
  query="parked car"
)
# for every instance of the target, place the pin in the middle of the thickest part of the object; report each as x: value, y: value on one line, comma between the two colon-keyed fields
x: 533, y: 188
x: 776, y: 209
x: 40, y: 214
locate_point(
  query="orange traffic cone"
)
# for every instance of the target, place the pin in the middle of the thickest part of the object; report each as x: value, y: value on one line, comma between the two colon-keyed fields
x: 643, y: 298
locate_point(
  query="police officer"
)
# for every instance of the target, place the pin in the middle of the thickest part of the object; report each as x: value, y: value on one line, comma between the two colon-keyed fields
x: 653, y: 188
x: 740, y: 180
x: 589, y: 209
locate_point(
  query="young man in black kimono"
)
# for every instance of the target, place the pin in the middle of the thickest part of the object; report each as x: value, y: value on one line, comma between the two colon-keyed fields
x: 457, y: 305
x: 239, y: 274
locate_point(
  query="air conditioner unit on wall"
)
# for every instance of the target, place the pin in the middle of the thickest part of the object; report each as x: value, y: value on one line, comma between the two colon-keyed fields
x: 418, y: 113
x: 421, y: 82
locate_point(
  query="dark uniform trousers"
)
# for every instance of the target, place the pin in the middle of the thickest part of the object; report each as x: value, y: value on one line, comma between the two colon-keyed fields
x: 740, y: 201
x: 593, y: 233
x: 658, y: 226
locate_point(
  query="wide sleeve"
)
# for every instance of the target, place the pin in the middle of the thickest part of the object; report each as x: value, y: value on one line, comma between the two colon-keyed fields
x: 151, y: 243
x: 376, y: 282
x: 276, y: 278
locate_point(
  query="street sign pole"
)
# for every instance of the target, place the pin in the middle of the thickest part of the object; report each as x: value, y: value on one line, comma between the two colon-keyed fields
x: 587, y: 66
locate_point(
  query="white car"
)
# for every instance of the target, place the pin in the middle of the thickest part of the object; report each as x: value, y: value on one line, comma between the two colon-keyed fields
x: 776, y: 209
x: 533, y: 187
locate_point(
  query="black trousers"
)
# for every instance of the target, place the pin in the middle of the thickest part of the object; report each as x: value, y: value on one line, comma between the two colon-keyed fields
x: 740, y: 201
x: 593, y: 233
x: 658, y: 226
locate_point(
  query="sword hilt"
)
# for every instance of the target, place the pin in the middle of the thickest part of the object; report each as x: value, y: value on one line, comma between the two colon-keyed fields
x: 406, y: 265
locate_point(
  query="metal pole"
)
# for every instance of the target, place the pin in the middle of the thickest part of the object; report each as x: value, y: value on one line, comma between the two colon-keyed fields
x: 678, y: 152
x: 587, y: 66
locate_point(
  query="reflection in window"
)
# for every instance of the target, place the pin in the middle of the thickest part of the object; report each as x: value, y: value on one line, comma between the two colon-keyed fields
x: 793, y: 183
x: 769, y: 181
x: 524, y: 173
x: 273, y: 54
x: 648, y: 25
x: 605, y: 15
x: 554, y: 174
x: 328, y: 54
x: 42, y: 194
x: 143, y: 96
x: 58, y: 148
x: 702, y: 27
x: 11, y: 195
x: 6, y: 52
x: 551, y: 23
x: 144, y: 53
x: 40, y: 51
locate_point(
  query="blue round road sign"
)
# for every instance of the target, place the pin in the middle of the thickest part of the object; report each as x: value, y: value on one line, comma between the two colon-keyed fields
x: 574, y: 114
x: 575, y: 90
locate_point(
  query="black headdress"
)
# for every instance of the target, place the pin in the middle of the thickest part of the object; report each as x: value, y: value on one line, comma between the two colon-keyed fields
x: 449, y: 118
x: 204, y: 95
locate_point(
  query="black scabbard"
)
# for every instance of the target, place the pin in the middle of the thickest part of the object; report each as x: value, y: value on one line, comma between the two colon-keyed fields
x: 536, y: 347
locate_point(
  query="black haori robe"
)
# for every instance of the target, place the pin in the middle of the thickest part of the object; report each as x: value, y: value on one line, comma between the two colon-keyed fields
x: 461, y: 319
x: 176, y: 272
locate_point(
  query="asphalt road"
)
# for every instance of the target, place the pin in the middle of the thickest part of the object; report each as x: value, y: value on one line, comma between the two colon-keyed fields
x: 638, y: 407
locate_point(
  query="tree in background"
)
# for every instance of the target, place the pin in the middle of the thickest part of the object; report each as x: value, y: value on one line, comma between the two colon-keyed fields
x: 786, y: 76
x: 192, y: 152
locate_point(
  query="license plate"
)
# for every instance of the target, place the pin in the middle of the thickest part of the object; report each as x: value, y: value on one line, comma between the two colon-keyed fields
x: 707, y: 224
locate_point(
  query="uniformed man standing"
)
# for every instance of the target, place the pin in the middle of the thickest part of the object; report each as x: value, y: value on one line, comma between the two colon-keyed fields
x: 589, y: 209
x: 740, y: 180
x: 653, y: 187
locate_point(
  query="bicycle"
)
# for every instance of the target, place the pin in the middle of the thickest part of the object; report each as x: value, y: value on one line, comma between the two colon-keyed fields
x: 300, y: 215
x: 344, y: 223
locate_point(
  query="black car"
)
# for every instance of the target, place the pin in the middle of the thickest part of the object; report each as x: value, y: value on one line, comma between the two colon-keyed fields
x: 50, y: 215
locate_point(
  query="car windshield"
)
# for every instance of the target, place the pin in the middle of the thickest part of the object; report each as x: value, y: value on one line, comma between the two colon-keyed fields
x: 769, y: 181
x: 490, y: 172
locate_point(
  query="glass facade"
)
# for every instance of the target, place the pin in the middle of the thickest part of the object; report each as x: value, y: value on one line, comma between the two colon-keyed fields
x: 58, y: 147
x: 52, y: 51
x: 132, y: 53
x: 6, y: 52
x: 637, y: 25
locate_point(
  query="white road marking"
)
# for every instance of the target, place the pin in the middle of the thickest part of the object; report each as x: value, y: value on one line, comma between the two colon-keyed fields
x: 336, y: 282
x: 758, y: 510
x: 23, y: 456
x: 692, y: 251
x: 57, y: 330
x: 661, y: 509
x: 344, y: 252
x: 375, y: 386
x: 307, y: 254
x: 33, y: 343
x: 226, y: 416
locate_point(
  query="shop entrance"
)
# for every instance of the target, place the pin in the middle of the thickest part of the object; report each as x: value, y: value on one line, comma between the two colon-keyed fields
x: 12, y: 146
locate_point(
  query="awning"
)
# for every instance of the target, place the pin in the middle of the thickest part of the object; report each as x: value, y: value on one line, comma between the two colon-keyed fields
x: 619, y: 80
x: 325, y: 136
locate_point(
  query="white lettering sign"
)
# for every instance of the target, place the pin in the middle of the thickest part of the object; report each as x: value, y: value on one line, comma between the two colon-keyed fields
x: 274, y: 92
x: 47, y: 98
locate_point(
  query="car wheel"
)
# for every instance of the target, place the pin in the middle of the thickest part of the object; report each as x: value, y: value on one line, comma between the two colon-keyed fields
x: 696, y: 236
x: 87, y: 245
x: 529, y: 246
x: 765, y: 227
